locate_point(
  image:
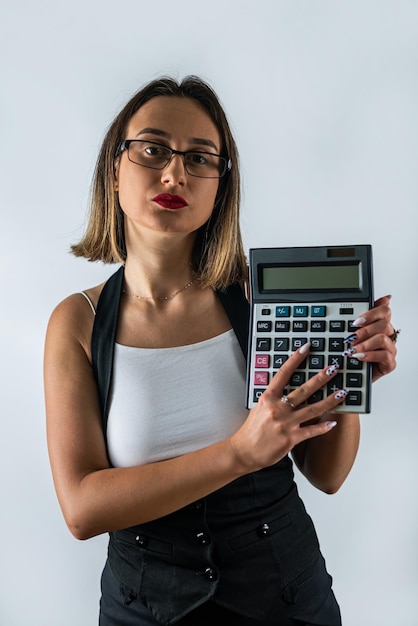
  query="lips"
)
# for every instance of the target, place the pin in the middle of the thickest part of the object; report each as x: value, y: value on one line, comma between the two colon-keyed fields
x: 170, y: 201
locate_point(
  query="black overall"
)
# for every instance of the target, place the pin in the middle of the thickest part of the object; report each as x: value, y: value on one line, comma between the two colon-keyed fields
x: 246, y: 555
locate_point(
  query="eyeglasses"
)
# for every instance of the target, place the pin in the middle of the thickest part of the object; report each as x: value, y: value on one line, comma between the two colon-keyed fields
x: 157, y: 157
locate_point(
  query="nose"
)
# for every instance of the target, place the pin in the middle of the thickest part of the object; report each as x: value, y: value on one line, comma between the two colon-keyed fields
x: 174, y: 172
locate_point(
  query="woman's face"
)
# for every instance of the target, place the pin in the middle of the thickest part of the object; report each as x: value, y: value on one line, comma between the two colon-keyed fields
x: 146, y: 195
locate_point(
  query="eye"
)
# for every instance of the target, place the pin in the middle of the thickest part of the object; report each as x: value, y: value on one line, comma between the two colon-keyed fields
x: 155, y: 151
x: 199, y: 158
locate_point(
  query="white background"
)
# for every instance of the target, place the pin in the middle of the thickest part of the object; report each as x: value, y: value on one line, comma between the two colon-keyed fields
x: 323, y: 99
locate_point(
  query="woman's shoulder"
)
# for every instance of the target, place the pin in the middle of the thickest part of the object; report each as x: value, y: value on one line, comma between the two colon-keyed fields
x: 71, y: 321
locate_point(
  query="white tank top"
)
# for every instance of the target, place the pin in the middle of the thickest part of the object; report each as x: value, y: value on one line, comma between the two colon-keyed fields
x: 169, y: 401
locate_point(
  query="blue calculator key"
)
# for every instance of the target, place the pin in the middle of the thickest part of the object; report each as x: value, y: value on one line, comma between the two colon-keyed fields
x: 318, y: 311
x: 282, y: 311
x: 300, y: 311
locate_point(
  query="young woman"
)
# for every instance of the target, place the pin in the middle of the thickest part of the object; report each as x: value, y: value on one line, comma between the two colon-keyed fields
x: 148, y: 435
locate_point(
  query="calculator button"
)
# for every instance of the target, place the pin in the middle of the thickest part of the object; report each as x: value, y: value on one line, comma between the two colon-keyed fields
x: 281, y: 344
x: 282, y: 327
x: 316, y: 362
x: 279, y: 360
x: 262, y: 345
x: 337, y: 360
x: 317, y: 344
x: 300, y: 326
x: 282, y: 311
x: 317, y: 327
x: 316, y: 397
x: 335, y: 384
x: 265, y: 311
x: 354, y: 379
x: 297, y: 342
x: 336, y: 345
x: 354, y: 398
x: 318, y: 311
x: 300, y: 311
x: 346, y: 311
x: 337, y: 326
x: 261, y: 378
x: 257, y: 394
x: 351, y: 327
x: 262, y: 360
x: 264, y: 327
x: 354, y: 364
x: 297, y: 378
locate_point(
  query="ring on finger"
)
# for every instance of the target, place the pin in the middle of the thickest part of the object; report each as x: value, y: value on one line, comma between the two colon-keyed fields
x: 394, y: 335
x: 286, y: 400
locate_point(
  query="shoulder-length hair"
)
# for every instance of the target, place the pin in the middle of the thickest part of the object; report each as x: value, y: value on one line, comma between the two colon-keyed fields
x: 218, y: 257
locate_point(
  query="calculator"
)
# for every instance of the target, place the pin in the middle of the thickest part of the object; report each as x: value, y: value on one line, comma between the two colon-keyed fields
x: 310, y: 294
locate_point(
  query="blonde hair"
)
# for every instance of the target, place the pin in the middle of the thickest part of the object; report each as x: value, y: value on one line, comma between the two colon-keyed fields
x: 218, y: 256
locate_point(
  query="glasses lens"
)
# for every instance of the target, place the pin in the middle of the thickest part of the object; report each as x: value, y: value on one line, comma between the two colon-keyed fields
x: 156, y: 156
x: 149, y: 154
x: 204, y: 164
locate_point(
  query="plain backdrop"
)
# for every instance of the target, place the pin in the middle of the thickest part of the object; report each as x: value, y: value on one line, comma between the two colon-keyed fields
x: 323, y: 100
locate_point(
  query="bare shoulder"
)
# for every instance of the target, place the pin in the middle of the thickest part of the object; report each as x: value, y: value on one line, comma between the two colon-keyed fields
x: 71, y: 322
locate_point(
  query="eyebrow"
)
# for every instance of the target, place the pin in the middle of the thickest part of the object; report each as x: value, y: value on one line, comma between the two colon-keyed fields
x: 193, y: 140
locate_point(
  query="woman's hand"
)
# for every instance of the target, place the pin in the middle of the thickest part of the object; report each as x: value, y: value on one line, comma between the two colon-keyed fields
x: 374, y: 341
x: 278, y: 422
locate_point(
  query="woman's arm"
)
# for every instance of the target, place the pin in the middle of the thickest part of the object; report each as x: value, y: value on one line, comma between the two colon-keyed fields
x: 327, y: 461
x: 96, y: 498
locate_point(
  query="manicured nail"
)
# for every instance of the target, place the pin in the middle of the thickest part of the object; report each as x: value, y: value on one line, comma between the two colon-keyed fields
x: 331, y: 370
x: 359, y: 355
x: 359, y: 321
x: 350, y: 351
x: 305, y: 348
x: 331, y: 425
x: 341, y: 394
x: 351, y: 338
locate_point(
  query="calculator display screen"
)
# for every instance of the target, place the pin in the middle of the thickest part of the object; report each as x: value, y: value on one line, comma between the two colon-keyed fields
x: 311, y: 277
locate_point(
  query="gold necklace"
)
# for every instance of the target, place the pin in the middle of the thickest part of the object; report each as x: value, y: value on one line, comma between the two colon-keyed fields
x: 170, y: 297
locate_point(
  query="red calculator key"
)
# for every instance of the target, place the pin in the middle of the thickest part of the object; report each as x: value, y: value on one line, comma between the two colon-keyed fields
x: 262, y: 360
x: 261, y: 378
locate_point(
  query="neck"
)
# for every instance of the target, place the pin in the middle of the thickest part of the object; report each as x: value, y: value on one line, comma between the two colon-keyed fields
x: 156, y: 268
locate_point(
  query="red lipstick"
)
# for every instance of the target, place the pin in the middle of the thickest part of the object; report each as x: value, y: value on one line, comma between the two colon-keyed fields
x: 170, y: 201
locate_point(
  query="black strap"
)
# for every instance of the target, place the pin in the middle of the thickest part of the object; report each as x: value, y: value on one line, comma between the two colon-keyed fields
x: 104, y: 337
x: 106, y: 324
x: 237, y: 309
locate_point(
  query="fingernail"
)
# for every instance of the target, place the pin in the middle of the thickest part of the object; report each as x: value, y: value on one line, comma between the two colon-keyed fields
x: 305, y: 348
x: 331, y: 425
x: 359, y: 321
x: 341, y: 394
x: 351, y: 338
x: 360, y: 355
x: 331, y: 370
x: 349, y: 352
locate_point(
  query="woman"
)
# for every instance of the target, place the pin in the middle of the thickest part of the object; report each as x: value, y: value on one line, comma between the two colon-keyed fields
x: 148, y: 436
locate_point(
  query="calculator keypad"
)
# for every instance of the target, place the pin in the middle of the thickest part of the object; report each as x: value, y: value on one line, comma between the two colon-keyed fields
x: 279, y: 330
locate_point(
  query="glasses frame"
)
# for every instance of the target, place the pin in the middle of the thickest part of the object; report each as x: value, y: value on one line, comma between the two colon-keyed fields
x: 226, y: 163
